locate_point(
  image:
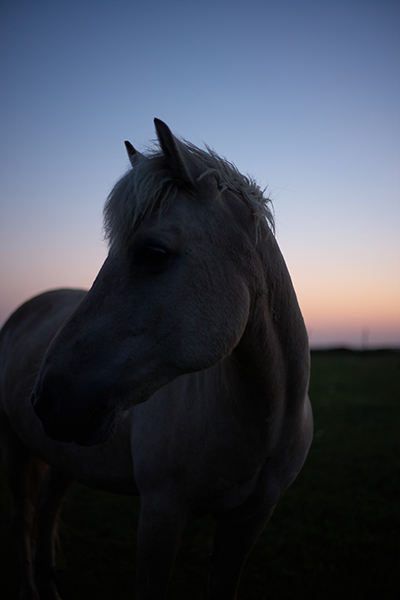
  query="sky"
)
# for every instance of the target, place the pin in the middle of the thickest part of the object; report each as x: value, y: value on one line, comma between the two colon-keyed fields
x: 304, y: 96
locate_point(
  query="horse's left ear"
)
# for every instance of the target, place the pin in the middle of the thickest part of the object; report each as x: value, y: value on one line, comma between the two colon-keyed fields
x: 133, y: 154
x: 174, y: 153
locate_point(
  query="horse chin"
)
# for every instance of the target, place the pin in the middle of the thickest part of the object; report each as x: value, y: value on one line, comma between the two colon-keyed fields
x: 97, y: 429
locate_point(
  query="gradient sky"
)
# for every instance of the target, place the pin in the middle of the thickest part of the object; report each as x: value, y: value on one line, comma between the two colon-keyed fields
x: 303, y: 95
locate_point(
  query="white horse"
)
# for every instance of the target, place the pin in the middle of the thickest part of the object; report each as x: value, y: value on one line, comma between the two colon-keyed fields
x: 182, y: 375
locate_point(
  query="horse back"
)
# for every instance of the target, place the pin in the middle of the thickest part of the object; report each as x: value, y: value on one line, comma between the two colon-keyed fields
x: 29, y: 330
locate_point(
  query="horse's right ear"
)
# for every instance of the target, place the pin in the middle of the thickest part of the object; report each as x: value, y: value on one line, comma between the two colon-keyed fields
x: 133, y: 154
x: 174, y: 153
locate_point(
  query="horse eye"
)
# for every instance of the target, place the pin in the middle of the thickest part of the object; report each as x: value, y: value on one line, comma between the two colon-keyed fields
x: 152, y: 256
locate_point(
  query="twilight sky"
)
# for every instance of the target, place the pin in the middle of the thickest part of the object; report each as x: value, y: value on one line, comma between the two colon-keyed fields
x: 303, y: 95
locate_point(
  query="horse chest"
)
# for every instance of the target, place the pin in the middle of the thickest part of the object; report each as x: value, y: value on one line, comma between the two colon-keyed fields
x: 213, y: 468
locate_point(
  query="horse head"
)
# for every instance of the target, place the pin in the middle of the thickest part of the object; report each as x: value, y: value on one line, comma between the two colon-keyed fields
x: 173, y: 296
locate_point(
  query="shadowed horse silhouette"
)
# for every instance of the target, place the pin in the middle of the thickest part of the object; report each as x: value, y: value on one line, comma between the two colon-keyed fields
x: 182, y: 374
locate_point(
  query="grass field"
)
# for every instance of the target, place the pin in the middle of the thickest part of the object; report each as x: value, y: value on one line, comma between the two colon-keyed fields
x: 334, y: 535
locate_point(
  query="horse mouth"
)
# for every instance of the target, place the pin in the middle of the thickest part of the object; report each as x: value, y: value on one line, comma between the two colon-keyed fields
x: 96, y: 430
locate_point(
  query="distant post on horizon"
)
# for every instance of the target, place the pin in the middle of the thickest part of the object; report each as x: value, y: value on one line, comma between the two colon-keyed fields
x: 364, y: 338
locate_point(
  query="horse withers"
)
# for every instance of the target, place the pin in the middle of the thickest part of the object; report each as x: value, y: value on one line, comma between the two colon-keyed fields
x: 182, y: 374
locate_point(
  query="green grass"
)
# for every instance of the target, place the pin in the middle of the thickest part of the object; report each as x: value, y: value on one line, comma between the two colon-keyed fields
x: 334, y: 535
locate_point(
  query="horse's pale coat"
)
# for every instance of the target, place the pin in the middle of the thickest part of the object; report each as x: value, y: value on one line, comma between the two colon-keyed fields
x: 181, y: 375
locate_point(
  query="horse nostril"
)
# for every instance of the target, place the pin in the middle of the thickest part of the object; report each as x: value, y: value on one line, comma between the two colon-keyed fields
x: 43, y: 404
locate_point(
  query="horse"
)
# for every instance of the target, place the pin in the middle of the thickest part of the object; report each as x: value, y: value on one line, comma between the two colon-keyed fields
x: 180, y: 376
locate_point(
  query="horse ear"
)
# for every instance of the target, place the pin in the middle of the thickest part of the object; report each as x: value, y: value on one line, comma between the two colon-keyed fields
x: 133, y: 154
x: 174, y: 152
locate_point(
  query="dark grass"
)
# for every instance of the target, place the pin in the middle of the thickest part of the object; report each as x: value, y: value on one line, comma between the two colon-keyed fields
x: 334, y: 535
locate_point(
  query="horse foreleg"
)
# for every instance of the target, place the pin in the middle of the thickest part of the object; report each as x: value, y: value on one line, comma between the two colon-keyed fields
x: 20, y: 469
x: 48, y: 507
x: 233, y: 541
x: 159, y: 533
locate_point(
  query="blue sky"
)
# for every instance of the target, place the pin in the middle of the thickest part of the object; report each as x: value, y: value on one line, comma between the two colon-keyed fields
x: 302, y: 95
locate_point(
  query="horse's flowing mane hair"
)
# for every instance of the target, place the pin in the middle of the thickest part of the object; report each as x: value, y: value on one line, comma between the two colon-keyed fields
x: 151, y: 186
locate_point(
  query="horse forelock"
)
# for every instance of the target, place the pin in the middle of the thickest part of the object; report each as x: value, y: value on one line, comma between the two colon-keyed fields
x: 143, y: 190
x: 150, y: 187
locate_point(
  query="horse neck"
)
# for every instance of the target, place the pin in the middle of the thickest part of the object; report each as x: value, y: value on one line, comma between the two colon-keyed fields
x: 271, y: 363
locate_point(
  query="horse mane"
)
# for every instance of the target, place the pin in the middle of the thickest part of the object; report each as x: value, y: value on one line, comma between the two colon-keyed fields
x: 151, y: 186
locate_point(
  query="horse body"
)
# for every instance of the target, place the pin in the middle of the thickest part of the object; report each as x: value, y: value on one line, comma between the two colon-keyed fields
x: 23, y: 341
x: 182, y: 375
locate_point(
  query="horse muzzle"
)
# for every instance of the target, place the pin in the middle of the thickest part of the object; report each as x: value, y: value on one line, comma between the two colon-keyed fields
x: 92, y: 426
